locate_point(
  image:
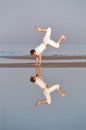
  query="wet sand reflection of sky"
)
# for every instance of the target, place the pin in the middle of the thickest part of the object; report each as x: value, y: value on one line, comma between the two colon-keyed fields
x: 18, y: 96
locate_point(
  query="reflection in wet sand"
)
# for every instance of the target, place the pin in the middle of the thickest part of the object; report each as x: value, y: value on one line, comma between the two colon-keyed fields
x: 37, y: 79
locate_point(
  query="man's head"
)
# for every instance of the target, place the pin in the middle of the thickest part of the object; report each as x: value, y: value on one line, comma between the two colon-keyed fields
x: 33, y: 52
x: 32, y: 78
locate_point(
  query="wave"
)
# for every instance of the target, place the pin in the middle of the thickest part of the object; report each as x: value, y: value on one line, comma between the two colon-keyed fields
x: 12, y: 53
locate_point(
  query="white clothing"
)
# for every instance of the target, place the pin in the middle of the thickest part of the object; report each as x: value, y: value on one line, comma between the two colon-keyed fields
x: 46, y: 41
x: 40, y: 48
x: 40, y: 83
x: 47, y: 92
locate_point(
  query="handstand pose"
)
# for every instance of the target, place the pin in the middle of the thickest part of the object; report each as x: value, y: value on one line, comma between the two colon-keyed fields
x: 46, y: 90
x: 46, y: 41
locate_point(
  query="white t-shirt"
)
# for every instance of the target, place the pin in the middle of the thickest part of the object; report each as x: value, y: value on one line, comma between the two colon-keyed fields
x: 40, y: 83
x: 40, y: 48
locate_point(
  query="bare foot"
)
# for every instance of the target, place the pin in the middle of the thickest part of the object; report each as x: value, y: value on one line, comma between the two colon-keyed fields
x: 64, y: 37
x: 64, y: 94
x: 37, y: 28
x: 38, y: 103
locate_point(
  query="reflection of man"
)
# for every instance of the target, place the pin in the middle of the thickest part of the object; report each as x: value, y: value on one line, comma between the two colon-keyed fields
x: 46, y: 41
x: 46, y: 90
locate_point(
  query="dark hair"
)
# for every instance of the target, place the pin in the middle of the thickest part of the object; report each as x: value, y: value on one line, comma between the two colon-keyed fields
x: 32, y: 79
x: 32, y: 52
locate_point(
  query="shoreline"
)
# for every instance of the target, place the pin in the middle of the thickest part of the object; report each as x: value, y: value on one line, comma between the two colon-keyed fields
x: 66, y: 63
x: 47, y: 64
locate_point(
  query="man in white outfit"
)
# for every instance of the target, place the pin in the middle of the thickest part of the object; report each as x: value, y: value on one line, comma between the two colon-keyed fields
x: 46, y: 90
x: 46, y: 41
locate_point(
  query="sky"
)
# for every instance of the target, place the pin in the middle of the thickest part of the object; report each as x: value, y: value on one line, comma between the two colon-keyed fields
x: 19, y: 17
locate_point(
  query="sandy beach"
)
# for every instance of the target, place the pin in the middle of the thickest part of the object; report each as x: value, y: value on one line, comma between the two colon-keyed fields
x: 54, y: 64
x: 66, y: 63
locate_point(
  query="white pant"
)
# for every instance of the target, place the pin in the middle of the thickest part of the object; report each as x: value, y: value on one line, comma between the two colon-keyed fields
x: 47, y: 92
x: 47, y: 39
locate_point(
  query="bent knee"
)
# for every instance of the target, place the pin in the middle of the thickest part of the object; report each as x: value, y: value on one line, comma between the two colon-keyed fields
x: 57, y: 86
x: 49, y: 101
x: 57, y: 45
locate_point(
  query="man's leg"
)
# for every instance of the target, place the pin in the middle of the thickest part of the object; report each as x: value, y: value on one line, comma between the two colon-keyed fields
x: 58, y: 88
x: 47, y: 39
x: 54, y: 44
x: 62, y: 37
x: 38, y: 102
x: 61, y: 92
x: 41, y: 29
x: 47, y: 36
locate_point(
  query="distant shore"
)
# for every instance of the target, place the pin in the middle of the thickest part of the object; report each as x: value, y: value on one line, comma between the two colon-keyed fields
x: 46, y: 63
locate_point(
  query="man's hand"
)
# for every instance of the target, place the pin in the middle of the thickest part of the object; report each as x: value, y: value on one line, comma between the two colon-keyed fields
x: 36, y: 64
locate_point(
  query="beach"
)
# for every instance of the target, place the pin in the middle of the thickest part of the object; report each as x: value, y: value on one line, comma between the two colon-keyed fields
x: 48, y: 61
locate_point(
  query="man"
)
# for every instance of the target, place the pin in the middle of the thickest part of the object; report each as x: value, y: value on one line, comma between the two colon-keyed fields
x: 46, y: 41
x: 46, y: 90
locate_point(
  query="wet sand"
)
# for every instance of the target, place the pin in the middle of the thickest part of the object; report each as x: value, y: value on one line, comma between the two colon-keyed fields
x: 46, y: 63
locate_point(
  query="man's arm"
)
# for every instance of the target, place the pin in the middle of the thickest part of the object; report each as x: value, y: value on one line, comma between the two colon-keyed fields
x: 40, y: 59
x: 41, y: 29
x: 39, y: 72
x: 37, y: 60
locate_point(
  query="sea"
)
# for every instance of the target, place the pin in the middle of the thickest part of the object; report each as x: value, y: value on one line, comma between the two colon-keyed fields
x: 18, y: 94
x: 21, y: 48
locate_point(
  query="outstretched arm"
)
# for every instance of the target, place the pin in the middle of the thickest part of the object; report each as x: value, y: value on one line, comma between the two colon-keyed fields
x: 41, y: 29
x: 37, y: 60
x: 39, y: 72
x: 40, y: 59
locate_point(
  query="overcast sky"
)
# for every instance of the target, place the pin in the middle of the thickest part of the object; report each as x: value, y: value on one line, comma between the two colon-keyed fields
x: 19, y: 17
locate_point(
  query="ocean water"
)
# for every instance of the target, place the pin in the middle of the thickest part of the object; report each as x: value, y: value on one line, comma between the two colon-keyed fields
x: 24, y: 49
